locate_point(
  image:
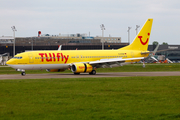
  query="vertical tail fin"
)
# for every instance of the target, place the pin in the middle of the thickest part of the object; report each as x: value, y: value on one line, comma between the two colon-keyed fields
x: 142, y: 39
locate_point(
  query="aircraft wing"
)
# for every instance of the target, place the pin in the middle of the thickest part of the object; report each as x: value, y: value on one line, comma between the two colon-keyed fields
x: 163, y: 50
x: 109, y: 62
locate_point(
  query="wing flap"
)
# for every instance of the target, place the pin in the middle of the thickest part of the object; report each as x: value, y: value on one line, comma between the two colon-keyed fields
x: 115, y: 60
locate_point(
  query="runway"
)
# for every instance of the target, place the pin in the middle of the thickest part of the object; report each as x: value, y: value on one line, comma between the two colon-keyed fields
x: 85, y: 75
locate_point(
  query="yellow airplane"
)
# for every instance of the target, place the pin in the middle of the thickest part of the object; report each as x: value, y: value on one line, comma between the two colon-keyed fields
x: 84, y: 61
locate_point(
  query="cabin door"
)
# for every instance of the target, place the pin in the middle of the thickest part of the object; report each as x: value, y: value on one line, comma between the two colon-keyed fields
x: 31, y: 59
x: 132, y: 54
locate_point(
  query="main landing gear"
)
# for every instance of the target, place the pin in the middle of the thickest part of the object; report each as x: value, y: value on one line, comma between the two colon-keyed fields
x: 22, y: 71
x: 76, y: 73
x: 93, y: 72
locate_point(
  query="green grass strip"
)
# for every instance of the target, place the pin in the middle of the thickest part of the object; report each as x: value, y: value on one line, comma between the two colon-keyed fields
x: 125, y: 68
x: 148, y: 98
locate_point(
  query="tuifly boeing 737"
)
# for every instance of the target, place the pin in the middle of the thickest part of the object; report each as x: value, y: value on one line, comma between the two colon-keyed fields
x: 84, y: 61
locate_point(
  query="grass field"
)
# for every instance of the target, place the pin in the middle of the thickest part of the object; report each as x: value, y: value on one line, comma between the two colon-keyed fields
x: 130, y: 98
x: 125, y: 68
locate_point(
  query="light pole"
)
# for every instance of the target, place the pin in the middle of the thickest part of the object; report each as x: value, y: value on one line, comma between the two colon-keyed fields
x: 14, y: 29
x: 32, y: 43
x: 129, y: 34
x: 137, y: 26
x: 102, y: 28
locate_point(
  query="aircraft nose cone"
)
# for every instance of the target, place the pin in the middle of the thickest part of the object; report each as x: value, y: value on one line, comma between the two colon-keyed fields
x: 9, y: 62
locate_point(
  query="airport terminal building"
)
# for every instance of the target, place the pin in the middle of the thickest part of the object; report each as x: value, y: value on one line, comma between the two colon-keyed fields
x: 171, y: 52
x: 70, y: 42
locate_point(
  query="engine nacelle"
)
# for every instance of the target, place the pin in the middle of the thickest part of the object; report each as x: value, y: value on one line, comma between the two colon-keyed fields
x: 55, y: 70
x: 81, y: 68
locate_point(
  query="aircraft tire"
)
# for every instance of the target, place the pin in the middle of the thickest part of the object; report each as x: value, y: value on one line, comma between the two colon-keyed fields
x: 76, y: 73
x: 93, y: 72
x: 23, y: 73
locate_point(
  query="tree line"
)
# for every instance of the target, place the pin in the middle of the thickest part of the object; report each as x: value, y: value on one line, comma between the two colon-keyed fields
x: 156, y: 43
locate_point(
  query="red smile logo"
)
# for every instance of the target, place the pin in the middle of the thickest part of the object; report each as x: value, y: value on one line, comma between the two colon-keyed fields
x: 143, y: 43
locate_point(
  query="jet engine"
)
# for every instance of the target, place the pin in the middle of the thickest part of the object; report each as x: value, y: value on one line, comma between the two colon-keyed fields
x: 81, y: 68
x: 55, y: 70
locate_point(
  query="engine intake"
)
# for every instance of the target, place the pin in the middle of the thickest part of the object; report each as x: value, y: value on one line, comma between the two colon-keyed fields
x: 81, y: 68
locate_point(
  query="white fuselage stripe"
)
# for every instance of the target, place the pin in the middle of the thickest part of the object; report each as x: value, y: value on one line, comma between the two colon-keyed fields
x: 40, y: 66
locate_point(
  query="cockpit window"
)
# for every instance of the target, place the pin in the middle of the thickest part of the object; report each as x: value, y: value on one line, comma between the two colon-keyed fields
x: 17, y: 57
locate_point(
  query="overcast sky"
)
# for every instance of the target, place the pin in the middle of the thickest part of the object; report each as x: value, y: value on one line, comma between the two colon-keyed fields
x: 84, y: 16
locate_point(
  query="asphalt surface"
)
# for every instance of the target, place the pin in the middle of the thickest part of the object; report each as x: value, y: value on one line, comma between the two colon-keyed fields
x: 83, y: 75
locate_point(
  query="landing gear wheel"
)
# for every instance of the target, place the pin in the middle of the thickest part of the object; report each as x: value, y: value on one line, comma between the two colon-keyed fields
x: 76, y: 73
x: 93, y: 72
x: 23, y: 73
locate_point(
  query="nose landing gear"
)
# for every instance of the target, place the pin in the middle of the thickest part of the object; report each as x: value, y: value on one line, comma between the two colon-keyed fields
x: 22, y: 71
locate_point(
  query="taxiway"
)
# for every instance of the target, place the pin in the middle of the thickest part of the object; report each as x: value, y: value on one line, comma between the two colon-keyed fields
x: 85, y: 75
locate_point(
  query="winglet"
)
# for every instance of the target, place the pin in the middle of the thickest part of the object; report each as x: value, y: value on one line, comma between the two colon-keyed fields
x: 60, y: 46
x: 155, y: 50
